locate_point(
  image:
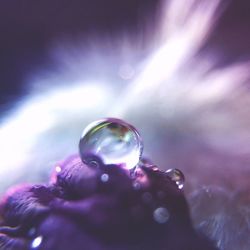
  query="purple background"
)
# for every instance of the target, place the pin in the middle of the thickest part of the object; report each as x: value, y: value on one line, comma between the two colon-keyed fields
x: 28, y: 28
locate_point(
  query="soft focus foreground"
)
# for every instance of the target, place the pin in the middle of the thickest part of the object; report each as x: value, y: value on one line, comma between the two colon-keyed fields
x: 99, y: 208
x: 192, y: 114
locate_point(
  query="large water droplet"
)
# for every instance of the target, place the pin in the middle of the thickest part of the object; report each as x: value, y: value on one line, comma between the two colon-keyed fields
x: 177, y: 176
x: 112, y: 140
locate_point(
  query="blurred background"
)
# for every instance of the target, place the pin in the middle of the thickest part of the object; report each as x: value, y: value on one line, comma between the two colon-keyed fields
x: 177, y: 70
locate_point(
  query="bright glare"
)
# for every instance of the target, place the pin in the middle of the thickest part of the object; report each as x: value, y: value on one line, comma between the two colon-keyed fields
x: 21, y: 130
x: 36, y: 242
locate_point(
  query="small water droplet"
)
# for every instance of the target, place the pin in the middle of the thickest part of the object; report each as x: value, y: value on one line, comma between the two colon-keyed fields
x: 155, y: 169
x: 177, y: 176
x: 104, y: 177
x: 136, y: 185
x: 93, y: 164
x: 152, y: 167
x: 112, y: 140
x: 146, y: 162
x: 36, y: 242
x: 147, y: 197
x: 58, y: 169
x: 140, y: 177
x: 32, y: 232
x: 161, y: 215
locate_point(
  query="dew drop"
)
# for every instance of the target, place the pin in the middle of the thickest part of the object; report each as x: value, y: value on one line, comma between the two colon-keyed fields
x: 152, y: 167
x: 177, y: 176
x: 155, y: 169
x: 112, y: 140
x: 147, y: 197
x: 140, y: 178
x: 146, y: 162
x: 104, y: 177
x: 93, y: 164
x: 36, y: 242
x: 136, y: 185
x: 58, y: 169
x: 161, y: 215
x: 32, y: 232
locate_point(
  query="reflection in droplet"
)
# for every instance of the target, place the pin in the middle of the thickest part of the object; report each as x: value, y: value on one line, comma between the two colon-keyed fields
x: 36, y: 242
x: 104, y: 177
x: 161, y: 215
x: 177, y: 176
x: 113, y: 141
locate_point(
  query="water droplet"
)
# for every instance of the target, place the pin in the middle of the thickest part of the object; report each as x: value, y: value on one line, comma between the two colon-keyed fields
x: 113, y: 141
x: 147, y: 197
x: 92, y: 160
x: 151, y: 167
x: 104, y: 177
x: 146, y: 162
x: 155, y: 169
x: 93, y: 164
x: 177, y: 176
x: 32, y: 232
x: 161, y: 215
x: 36, y: 242
x: 136, y: 185
x: 58, y: 169
x: 140, y: 178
